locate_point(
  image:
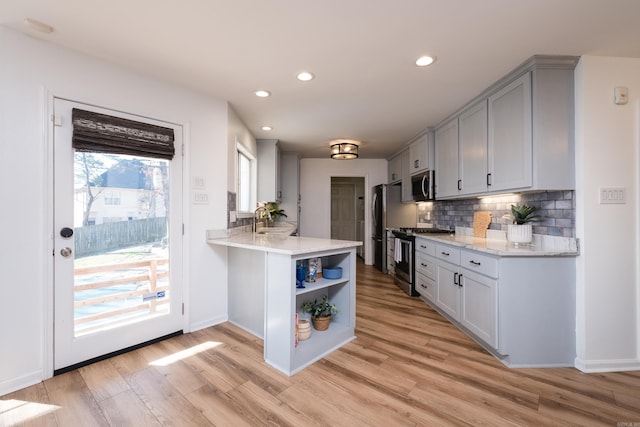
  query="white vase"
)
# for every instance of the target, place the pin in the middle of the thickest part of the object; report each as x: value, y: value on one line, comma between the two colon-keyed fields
x: 519, y: 234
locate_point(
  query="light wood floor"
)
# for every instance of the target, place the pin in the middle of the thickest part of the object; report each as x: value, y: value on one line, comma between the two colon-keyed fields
x: 408, y: 366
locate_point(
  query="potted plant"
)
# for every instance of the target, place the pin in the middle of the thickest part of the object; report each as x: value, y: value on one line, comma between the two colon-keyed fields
x: 321, y: 312
x: 275, y: 213
x: 520, y: 232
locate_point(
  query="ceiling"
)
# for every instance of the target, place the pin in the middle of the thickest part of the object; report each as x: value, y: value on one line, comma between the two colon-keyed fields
x: 362, y: 52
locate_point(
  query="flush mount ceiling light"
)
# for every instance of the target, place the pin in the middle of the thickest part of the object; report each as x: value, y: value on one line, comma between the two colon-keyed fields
x: 423, y: 61
x: 344, y: 149
x: 263, y: 93
x: 305, y: 76
x: 38, y: 26
x: 267, y: 128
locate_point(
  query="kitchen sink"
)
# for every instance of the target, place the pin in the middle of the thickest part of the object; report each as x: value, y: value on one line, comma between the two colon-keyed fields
x: 277, y: 228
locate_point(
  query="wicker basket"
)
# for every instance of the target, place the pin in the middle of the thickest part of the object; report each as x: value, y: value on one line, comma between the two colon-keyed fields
x: 321, y: 323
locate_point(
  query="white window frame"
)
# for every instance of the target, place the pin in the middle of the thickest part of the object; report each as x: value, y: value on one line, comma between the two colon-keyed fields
x: 253, y: 183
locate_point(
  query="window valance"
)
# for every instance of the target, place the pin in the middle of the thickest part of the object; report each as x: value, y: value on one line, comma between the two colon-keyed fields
x: 107, y: 134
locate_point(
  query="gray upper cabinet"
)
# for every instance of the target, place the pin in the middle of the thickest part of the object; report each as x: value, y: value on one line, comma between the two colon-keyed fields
x: 269, y: 189
x: 446, y: 148
x: 509, y: 136
x: 419, y: 155
x: 516, y: 136
x: 407, y: 195
x: 395, y: 172
x: 472, y: 139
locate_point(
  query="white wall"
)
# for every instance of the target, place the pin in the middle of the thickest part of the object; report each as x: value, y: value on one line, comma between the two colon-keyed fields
x: 315, y: 188
x: 607, y: 154
x: 31, y: 73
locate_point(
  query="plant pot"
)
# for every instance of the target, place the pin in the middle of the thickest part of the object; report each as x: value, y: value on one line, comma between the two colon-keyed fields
x: 519, y: 234
x: 321, y: 323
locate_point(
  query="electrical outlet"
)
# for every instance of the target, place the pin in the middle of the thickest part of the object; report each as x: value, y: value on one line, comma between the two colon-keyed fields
x: 612, y: 195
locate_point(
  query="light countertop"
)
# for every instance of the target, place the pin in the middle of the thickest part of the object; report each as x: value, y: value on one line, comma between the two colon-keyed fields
x: 289, y: 245
x: 541, y: 245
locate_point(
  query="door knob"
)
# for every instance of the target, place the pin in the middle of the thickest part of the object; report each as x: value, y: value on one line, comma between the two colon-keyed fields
x: 65, y: 252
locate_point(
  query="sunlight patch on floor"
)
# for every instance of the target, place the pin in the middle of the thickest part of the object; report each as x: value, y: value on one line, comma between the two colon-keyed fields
x: 168, y: 360
x: 17, y: 412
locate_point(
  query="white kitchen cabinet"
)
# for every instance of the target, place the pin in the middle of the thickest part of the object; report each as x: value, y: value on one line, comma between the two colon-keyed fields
x: 520, y: 308
x: 446, y: 150
x: 269, y: 189
x: 395, y: 164
x: 419, y: 155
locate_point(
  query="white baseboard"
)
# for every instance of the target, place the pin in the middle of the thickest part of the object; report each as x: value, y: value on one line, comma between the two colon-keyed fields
x: 18, y: 383
x: 207, y: 323
x: 614, y: 365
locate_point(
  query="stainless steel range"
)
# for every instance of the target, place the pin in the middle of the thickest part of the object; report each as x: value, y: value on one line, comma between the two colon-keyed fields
x: 405, y: 256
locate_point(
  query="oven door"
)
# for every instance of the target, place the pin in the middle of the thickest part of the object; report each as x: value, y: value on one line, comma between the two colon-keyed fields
x: 404, y: 267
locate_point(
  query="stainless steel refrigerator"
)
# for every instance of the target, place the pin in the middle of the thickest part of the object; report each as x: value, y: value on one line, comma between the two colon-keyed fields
x: 379, y: 226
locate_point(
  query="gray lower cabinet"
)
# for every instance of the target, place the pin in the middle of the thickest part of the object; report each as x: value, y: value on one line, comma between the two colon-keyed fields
x: 263, y: 299
x: 425, y: 269
x: 521, y: 309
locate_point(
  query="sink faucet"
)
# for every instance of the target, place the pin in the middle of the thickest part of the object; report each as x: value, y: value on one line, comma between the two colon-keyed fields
x: 259, y: 215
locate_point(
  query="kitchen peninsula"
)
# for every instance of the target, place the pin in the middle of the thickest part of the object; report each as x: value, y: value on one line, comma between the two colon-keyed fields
x: 263, y: 298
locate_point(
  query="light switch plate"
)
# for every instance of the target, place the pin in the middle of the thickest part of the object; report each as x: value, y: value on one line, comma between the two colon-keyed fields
x: 612, y: 195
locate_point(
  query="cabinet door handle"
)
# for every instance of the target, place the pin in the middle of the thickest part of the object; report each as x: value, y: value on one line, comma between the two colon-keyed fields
x: 424, y: 265
x: 474, y: 262
x: 455, y: 278
x: 488, y: 180
x: 445, y: 253
x: 460, y: 280
x: 423, y: 286
x: 423, y: 246
x: 416, y: 164
x: 459, y: 184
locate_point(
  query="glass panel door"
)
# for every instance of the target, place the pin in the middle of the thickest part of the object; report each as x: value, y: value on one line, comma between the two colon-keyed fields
x: 118, y: 237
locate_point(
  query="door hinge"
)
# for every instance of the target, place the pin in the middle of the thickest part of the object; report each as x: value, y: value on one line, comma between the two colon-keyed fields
x: 182, y: 150
x: 183, y: 309
x: 57, y: 120
x: 183, y: 229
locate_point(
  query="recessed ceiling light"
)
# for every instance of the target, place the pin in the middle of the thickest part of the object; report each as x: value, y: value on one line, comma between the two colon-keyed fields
x: 263, y: 93
x: 38, y: 26
x: 423, y: 61
x: 267, y: 128
x: 305, y: 76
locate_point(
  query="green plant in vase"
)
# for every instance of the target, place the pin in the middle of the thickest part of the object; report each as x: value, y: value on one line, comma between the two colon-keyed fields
x: 520, y: 232
x: 275, y: 213
x: 321, y: 312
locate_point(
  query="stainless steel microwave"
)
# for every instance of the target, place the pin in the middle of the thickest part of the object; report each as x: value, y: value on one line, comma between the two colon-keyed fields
x: 423, y: 186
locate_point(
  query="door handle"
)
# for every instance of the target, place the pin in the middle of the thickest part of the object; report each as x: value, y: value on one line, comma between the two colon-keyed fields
x: 66, y: 252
